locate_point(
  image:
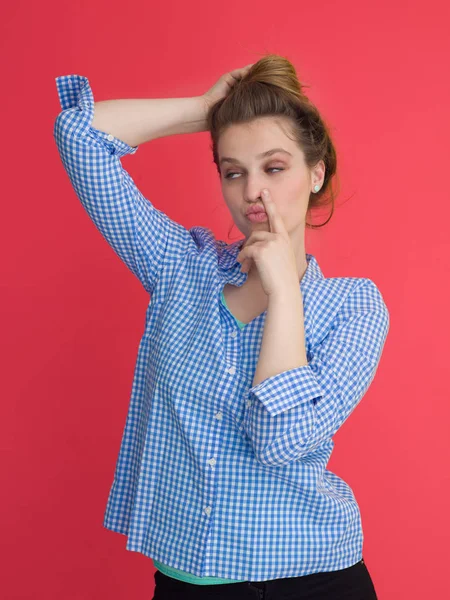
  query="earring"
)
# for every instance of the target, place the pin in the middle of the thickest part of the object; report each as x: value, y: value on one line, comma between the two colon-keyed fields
x: 316, y: 188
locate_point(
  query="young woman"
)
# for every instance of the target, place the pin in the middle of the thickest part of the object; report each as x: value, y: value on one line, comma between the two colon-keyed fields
x: 251, y: 359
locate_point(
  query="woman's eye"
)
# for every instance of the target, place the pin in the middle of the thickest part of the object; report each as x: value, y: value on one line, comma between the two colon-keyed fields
x: 227, y: 176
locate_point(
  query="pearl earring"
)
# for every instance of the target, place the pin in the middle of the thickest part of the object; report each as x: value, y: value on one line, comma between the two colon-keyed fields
x: 316, y: 188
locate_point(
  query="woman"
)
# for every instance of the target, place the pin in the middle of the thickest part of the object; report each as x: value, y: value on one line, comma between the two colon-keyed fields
x: 243, y: 375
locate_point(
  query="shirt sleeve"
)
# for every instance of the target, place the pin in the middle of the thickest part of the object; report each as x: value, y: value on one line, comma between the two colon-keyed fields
x: 140, y: 234
x: 289, y: 415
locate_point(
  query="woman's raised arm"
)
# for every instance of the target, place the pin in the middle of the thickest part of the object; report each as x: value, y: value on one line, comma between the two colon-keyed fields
x: 136, y: 121
x: 140, y: 234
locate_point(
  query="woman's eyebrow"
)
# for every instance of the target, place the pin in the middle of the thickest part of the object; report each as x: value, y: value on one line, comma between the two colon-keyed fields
x: 262, y: 155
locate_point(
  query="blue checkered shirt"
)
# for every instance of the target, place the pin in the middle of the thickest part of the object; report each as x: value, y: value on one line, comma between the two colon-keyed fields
x: 215, y: 477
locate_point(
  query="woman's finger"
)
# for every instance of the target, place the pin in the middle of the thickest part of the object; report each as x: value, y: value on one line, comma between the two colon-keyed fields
x: 238, y: 73
x: 246, y: 265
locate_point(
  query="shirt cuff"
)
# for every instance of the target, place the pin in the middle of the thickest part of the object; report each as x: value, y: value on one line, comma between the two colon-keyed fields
x: 74, y: 91
x: 287, y: 389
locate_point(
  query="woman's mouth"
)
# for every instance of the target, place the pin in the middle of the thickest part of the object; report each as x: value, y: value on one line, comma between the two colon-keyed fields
x: 258, y: 217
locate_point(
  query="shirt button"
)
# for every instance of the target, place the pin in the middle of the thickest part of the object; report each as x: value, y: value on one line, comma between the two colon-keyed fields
x: 110, y: 137
x: 212, y: 461
x: 218, y: 415
x: 249, y: 402
x: 232, y: 370
x: 207, y: 510
x: 234, y: 334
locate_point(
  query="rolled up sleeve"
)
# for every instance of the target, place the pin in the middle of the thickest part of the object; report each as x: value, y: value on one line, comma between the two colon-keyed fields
x: 289, y: 415
x: 139, y: 233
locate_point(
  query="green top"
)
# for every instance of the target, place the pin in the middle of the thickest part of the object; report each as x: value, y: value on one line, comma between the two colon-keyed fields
x: 240, y: 323
x: 183, y: 575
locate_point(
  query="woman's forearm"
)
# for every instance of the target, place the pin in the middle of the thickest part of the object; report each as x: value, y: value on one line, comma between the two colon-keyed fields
x: 283, y: 342
x: 136, y: 121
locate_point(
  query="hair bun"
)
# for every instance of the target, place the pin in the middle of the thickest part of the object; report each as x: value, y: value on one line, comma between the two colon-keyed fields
x: 276, y: 70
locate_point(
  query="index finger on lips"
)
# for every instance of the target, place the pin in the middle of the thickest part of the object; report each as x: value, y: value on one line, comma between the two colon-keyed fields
x: 276, y: 224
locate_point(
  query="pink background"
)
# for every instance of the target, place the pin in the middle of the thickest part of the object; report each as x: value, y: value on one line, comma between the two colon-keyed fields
x: 72, y: 313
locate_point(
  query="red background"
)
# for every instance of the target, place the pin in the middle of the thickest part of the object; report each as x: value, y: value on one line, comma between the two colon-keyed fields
x: 73, y: 314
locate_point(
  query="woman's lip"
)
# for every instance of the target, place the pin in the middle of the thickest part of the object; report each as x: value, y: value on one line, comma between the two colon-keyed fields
x: 258, y: 217
x: 255, y: 209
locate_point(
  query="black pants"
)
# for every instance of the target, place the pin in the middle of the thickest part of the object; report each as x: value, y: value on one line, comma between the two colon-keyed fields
x: 353, y: 583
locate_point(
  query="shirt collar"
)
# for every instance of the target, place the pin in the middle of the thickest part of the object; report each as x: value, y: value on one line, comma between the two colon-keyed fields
x: 230, y: 268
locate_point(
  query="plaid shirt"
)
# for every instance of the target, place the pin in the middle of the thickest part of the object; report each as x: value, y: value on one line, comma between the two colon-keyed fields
x: 215, y: 477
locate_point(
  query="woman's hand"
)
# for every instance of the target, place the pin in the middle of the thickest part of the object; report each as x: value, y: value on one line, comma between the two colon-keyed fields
x: 226, y: 82
x: 272, y: 252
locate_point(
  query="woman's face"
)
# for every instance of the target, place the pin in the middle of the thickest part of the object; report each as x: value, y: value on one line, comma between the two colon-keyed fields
x: 244, y: 172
